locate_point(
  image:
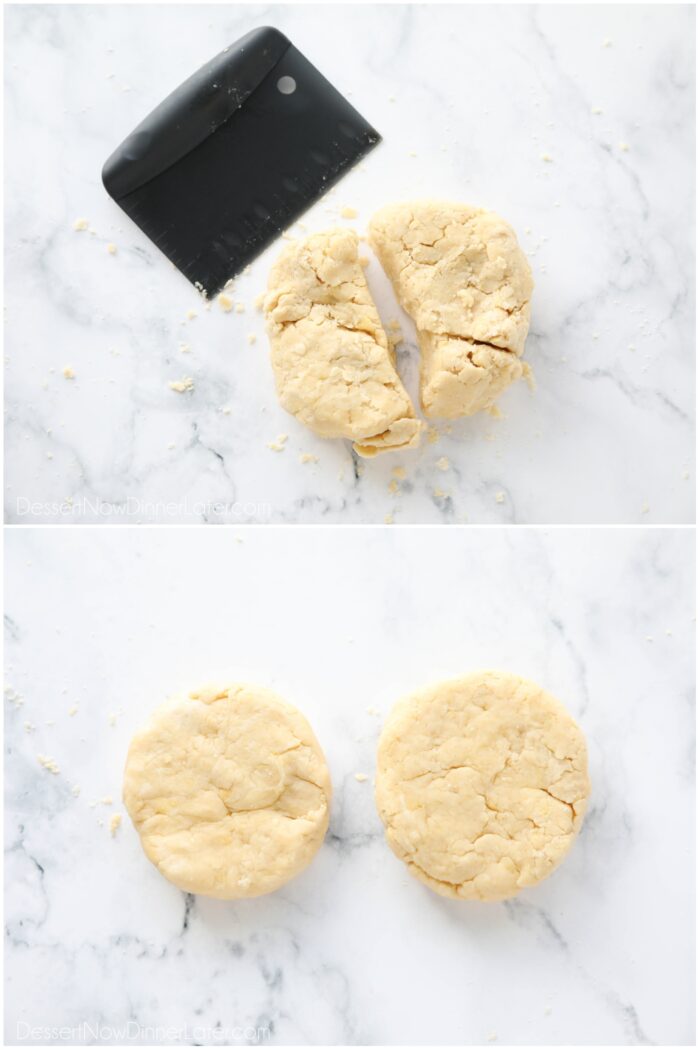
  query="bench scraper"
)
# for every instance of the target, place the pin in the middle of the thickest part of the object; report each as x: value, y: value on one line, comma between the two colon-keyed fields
x: 234, y: 155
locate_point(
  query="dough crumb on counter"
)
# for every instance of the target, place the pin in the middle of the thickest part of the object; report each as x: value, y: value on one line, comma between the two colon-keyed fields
x: 180, y: 386
x: 185, y: 348
x: 68, y: 372
x: 443, y: 463
x: 80, y: 224
x: 361, y: 777
x: 72, y: 710
x: 107, y: 800
x: 239, y: 308
x: 433, y: 435
x: 49, y: 764
x: 500, y: 497
x: 624, y: 146
x: 75, y: 790
x: 190, y: 315
x: 389, y: 519
x: 112, y: 248
x: 308, y: 457
x: 252, y: 338
x: 348, y: 213
x: 115, y: 823
x: 547, y: 158
x: 279, y: 444
x: 29, y: 727
x: 225, y: 302
x: 399, y: 472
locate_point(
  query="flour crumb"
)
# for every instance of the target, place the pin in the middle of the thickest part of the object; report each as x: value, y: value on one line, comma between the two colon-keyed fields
x: 29, y: 727
x: 112, y: 719
x: 645, y: 508
x: 114, y: 824
x: 389, y: 519
x: 75, y: 790
x: 279, y: 444
x: 624, y: 146
x: 49, y: 764
x: 72, y: 710
x: 361, y: 777
x: 433, y: 435
x: 607, y: 42
x: 259, y: 301
x: 500, y: 497
x: 68, y: 372
x: 112, y: 248
x: 491, y: 1037
x: 348, y: 213
x: 308, y: 457
x: 252, y: 338
x: 180, y: 386
x: 547, y: 158
x: 80, y: 224
x: 107, y: 800
x: 225, y: 302
x: 190, y: 315
x: 393, y: 486
x: 185, y: 348
x: 399, y: 472
x: 443, y: 463
x: 240, y: 308
x: 596, y: 111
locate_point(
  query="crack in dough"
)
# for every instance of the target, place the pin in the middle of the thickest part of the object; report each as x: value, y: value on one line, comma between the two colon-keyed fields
x: 482, y: 784
x: 229, y: 791
x: 460, y: 274
x: 334, y: 369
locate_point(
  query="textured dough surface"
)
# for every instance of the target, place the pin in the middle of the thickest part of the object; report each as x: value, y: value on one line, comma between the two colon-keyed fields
x: 482, y: 784
x: 460, y: 274
x: 333, y: 366
x: 229, y: 791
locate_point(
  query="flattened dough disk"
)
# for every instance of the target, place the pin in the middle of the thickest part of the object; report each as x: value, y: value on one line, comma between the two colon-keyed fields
x: 482, y: 784
x: 333, y: 367
x: 458, y: 271
x: 229, y: 791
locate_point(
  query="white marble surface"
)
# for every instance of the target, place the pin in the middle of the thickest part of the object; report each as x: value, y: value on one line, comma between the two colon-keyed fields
x: 479, y: 94
x: 353, y: 951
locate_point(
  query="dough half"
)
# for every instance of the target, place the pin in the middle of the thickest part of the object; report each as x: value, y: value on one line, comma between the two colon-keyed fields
x: 460, y: 274
x: 333, y: 366
x: 229, y: 791
x: 482, y: 784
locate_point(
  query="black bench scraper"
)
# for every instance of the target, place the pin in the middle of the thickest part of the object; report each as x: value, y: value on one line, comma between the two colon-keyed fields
x: 238, y: 152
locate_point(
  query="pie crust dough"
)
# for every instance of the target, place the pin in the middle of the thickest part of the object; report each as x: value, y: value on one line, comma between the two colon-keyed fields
x: 229, y: 791
x: 460, y: 274
x: 333, y: 366
x: 482, y: 784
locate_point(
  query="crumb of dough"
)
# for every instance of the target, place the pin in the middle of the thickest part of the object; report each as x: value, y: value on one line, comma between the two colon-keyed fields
x: 258, y: 302
x: 226, y: 410
x: 307, y: 457
x: 492, y: 1037
x: 180, y: 386
x: 29, y: 727
x: 440, y: 493
x: 115, y: 823
x: 596, y: 111
x: 389, y: 519
x: 240, y: 308
x: 80, y: 224
x: 72, y: 710
x: 443, y: 463
x: 107, y: 800
x: 547, y: 158
x: 49, y: 764
x: 607, y: 42
x: 333, y: 366
x: 348, y: 213
x: 185, y: 348
x: 252, y: 338
x: 112, y: 248
x: 68, y: 372
x: 75, y: 790
x: 225, y: 302
x: 112, y: 719
x: 399, y: 472
x: 500, y: 497
x: 279, y: 444
x: 645, y: 508
x: 361, y: 777
x: 190, y: 315
x: 393, y: 486
x: 433, y: 435
x: 624, y: 146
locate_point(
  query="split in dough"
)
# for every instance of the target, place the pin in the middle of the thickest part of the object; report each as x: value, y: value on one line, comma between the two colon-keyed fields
x: 229, y: 791
x: 460, y: 274
x: 482, y: 784
x: 333, y: 366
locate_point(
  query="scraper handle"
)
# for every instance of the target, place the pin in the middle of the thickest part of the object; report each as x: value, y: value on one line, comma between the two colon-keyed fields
x: 193, y: 111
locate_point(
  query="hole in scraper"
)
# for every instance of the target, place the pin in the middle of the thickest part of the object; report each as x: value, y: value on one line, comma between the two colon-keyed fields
x: 287, y: 85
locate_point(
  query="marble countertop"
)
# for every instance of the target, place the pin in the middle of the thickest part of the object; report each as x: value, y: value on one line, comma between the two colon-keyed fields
x: 471, y: 100
x: 354, y: 950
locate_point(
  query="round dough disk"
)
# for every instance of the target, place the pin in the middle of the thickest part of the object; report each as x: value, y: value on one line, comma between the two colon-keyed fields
x: 229, y: 791
x: 482, y: 783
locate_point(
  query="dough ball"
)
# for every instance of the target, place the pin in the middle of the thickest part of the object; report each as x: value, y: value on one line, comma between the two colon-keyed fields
x: 333, y: 366
x: 482, y: 785
x: 229, y: 791
x: 459, y: 273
